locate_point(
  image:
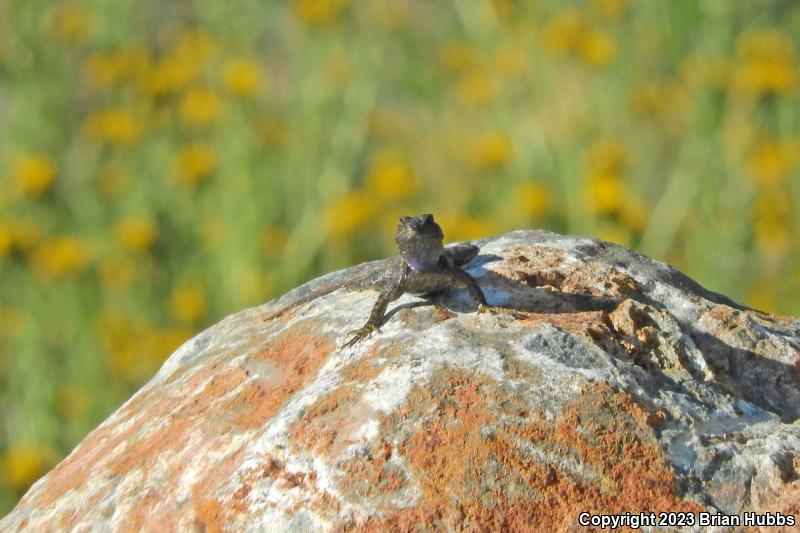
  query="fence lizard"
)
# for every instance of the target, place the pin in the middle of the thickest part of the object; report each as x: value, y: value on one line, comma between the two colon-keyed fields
x: 424, y: 267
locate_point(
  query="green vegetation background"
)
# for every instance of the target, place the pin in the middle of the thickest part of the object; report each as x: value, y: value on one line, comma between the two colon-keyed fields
x: 163, y: 164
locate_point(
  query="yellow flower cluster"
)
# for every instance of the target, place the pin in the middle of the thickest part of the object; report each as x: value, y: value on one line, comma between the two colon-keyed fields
x: 114, y: 126
x: 18, y: 235
x: 199, y: 107
x: 319, y: 12
x: 71, y: 23
x: 24, y: 462
x: 771, y: 164
x: 59, y: 257
x: 764, y: 64
x: 390, y: 179
x: 133, y: 348
x: 491, y: 151
x: 622, y: 212
x: 194, y: 162
x: 570, y: 33
x: 34, y: 174
x: 242, y: 77
x: 187, y: 303
x: 135, y: 234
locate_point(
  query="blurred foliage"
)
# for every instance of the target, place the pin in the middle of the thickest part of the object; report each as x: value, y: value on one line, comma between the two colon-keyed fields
x: 163, y: 164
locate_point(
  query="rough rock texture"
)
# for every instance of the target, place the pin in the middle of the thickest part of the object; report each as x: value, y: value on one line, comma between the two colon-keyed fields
x: 622, y: 386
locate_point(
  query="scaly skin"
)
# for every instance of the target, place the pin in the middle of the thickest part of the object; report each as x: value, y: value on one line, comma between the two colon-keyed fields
x: 424, y: 268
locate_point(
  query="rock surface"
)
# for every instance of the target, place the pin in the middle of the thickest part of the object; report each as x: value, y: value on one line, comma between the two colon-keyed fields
x: 621, y: 386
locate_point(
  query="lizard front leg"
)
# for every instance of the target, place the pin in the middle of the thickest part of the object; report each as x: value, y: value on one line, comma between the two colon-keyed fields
x: 378, y: 312
x: 464, y: 281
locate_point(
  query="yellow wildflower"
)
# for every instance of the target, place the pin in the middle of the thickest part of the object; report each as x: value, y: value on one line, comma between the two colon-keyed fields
x: 187, y: 303
x: 102, y: 69
x: 606, y: 156
x: 108, y: 69
x: 242, y: 76
x: 606, y: 192
x: 170, y: 74
x: 771, y: 162
x: 273, y: 240
x: 23, y: 234
x: 562, y: 34
x: 136, y: 234
x: 764, y: 63
x: 114, y: 126
x: 774, y: 240
x: 511, y: 58
x: 633, y: 212
x: 121, y: 338
x: 34, y: 174
x: 596, y: 48
x: 610, y: 9
x: 457, y: 57
x: 199, y: 107
x: 72, y: 401
x: 350, y: 213
x: 569, y: 34
x: 390, y: 176
x: 196, y: 46
x: 462, y: 228
x: 6, y: 240
x: 194, y: 162
x: 491, y: 151
x: 772, y: 221
x: 158, y: 344
x: 116, y: 272
x: 764, y: 295
x: 24, y: 462
x: 319, y: 12
x: 648, y: 98
x: 613, y: 232
x: 533, y: 198
x: 476, y: 87
x: 59, y: 256
x: 71, y: 23
x: 386, y: 123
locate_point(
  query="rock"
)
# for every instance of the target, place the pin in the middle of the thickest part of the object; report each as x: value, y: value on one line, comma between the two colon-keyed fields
x: 621, y: 385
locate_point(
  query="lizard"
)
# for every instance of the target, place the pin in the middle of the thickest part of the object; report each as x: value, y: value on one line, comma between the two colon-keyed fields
x: 423, y: 267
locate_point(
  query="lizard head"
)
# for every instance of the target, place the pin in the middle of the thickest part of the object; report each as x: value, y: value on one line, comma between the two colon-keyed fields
x: 418, y: 227
x: 419, y: 239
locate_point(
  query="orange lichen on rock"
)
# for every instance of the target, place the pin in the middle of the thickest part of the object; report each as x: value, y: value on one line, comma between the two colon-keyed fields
x: 580, y: 322
x: 297, y: 356
x: 371, y: 474
x: 361, y: 370
x: 481, y: 465
x: 327, y: 425
x: 173, y: 420
x: 541, y: 266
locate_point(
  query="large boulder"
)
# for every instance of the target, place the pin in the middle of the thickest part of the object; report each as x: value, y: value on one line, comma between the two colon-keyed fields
x: 620, y: 386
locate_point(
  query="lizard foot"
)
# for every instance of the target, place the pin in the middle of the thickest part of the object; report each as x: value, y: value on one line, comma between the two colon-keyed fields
x: 360, y: 334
